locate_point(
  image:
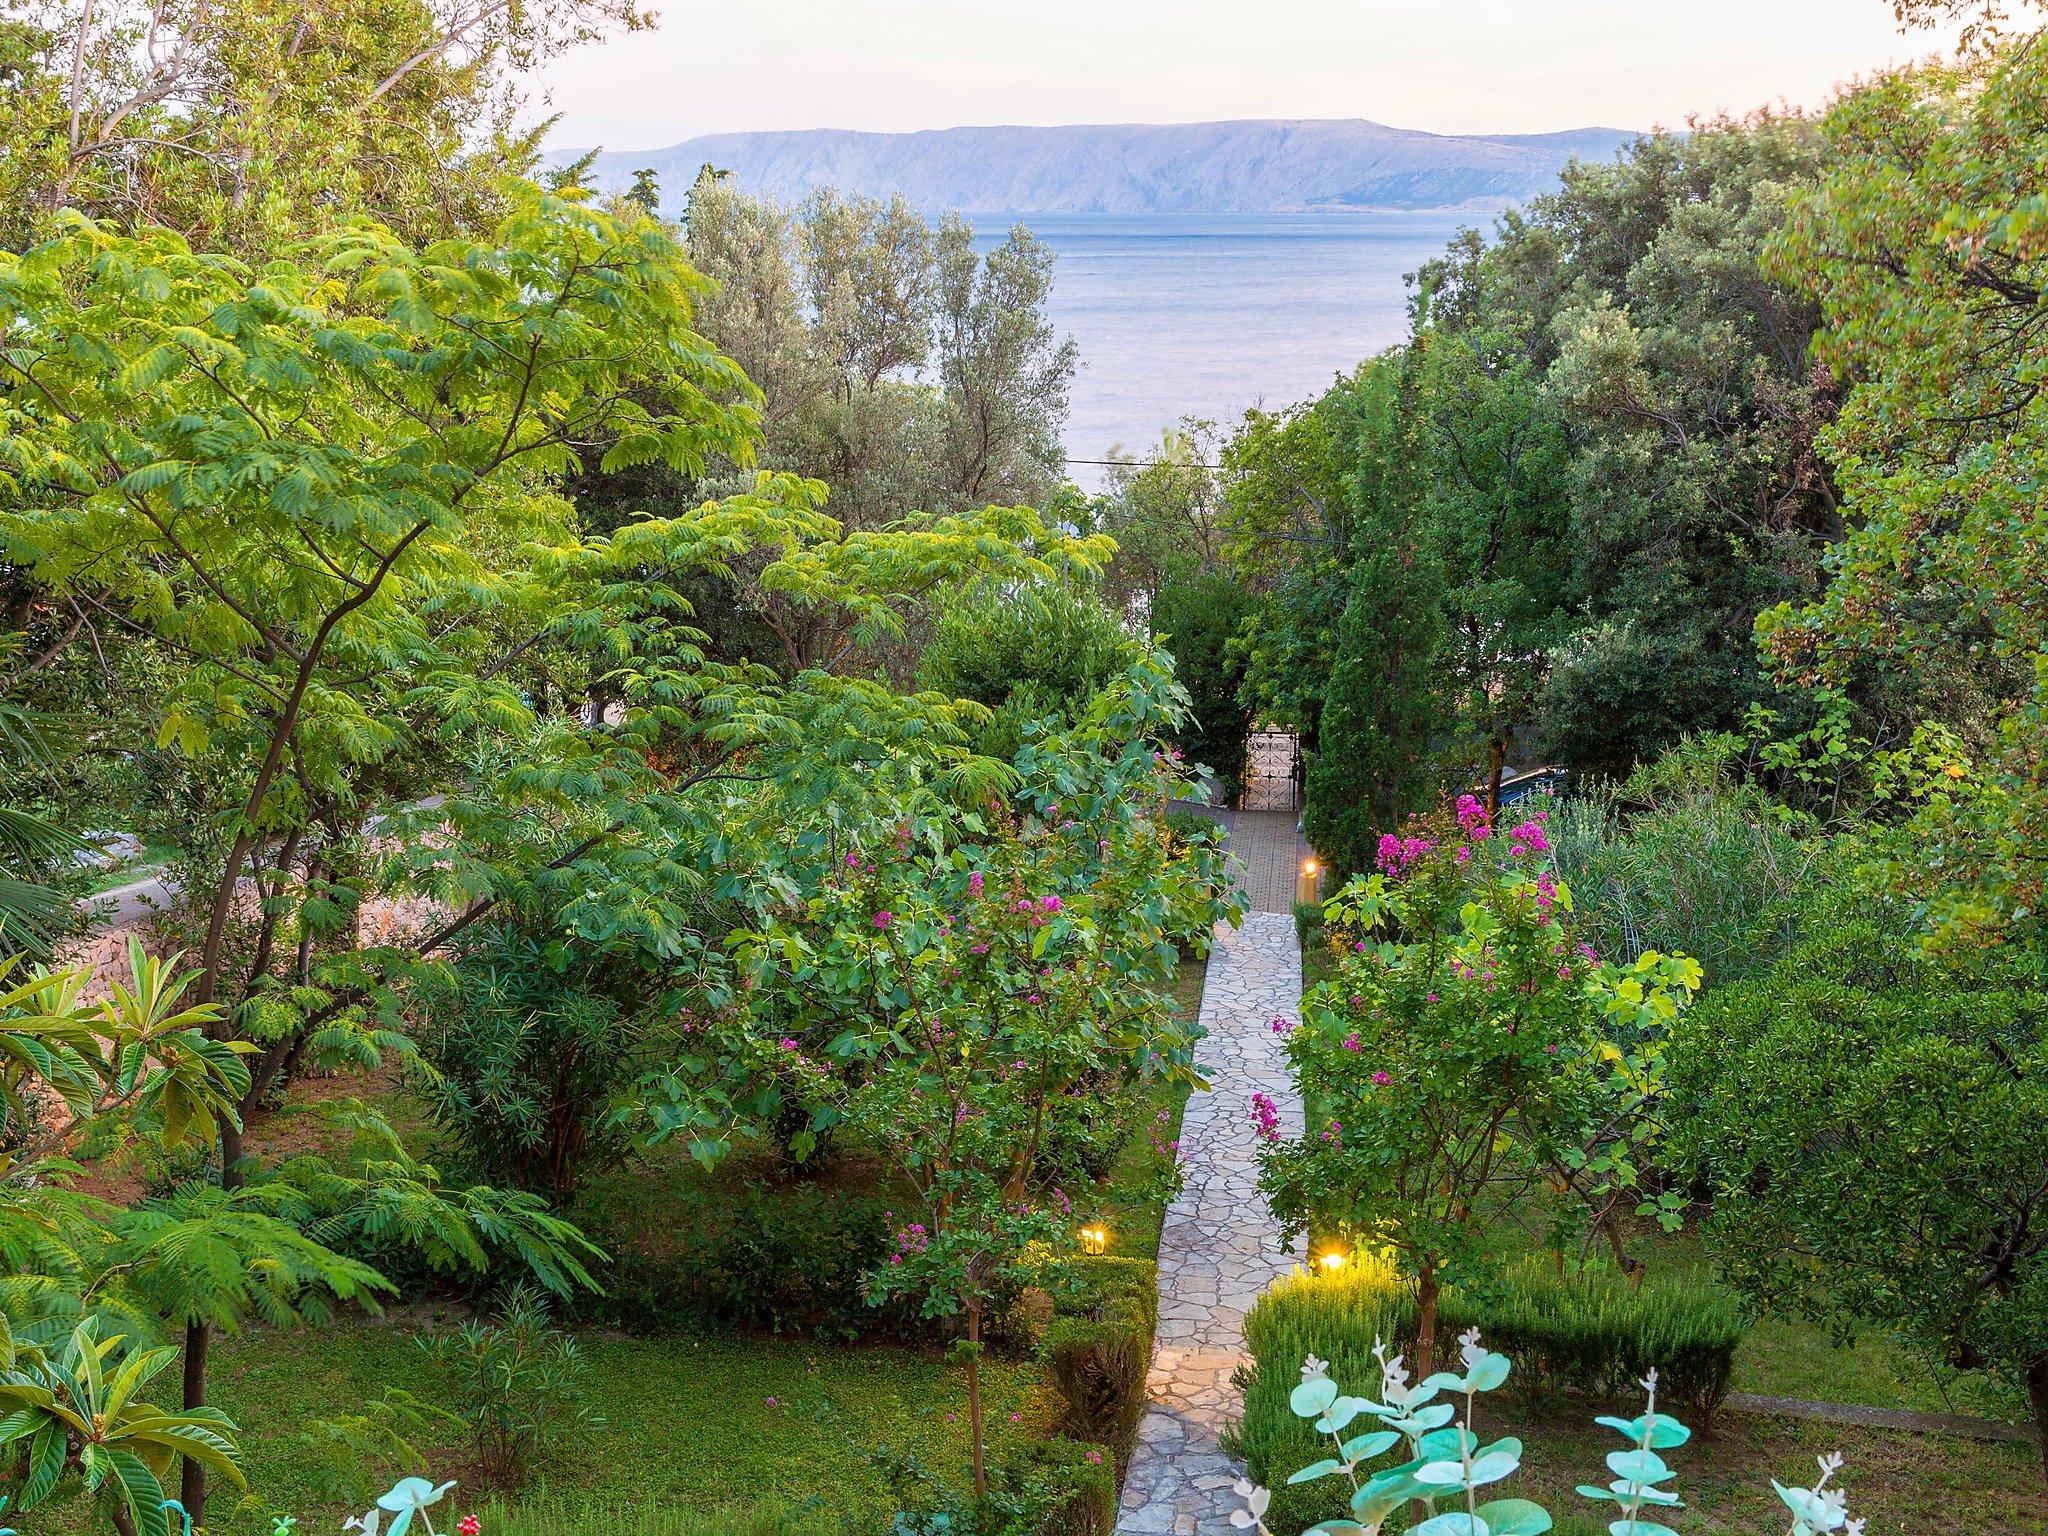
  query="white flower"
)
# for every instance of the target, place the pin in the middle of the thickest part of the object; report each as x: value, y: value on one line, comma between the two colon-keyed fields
x: 1255, y: 1500
x: 1471, y: 1351
x: 367, y: 1524
x: 1311, y: 1368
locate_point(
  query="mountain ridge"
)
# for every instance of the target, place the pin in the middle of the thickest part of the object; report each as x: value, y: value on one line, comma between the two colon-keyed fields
x: 1241, y: 165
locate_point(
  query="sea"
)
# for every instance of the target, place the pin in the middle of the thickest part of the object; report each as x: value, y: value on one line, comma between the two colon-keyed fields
x: 1205, y: 315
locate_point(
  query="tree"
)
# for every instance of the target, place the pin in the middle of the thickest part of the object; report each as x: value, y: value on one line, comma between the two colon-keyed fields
x: 1490, y: 461
x: 1197, y: 618
x: 245, y: 125
x: 1873, y: 1125
x: 1925, y: 245
x: 906, y: 371
x: 1382, y: 716
x: 945, y: 964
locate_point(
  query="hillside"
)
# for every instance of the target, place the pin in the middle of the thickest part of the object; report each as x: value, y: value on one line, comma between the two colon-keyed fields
x: 1266, y: 166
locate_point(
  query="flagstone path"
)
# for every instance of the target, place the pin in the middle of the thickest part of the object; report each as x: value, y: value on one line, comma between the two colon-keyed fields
x: 1220, y: 1247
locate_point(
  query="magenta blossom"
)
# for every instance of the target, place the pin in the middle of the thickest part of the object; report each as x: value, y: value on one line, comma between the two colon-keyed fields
x: 1382, y: 1078
x: 884, y: 919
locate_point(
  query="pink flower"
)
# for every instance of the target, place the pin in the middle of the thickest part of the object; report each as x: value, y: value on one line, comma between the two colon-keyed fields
x: 853, y: 861
x: 883, y: 919
x: 974, y: 883
x: 787, y: 1044
x: 1050, y: 903
x: 1353, y: 1043
x: 1382, y: 1078
x: 1265, y: 1118
x: 1431, y: 997
x: 771, y: 1402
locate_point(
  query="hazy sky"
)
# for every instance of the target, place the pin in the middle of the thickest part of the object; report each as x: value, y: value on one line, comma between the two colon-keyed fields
x: 1469, y: 66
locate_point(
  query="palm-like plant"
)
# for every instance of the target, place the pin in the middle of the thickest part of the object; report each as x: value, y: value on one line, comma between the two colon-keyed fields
x: 74, y: 1407
x: 31, y: 911
x: 209, y: 1259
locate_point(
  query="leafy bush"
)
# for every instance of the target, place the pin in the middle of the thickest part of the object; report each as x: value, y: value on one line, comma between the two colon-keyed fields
x: 516, y: 1382
x: 1086, y: 1130
x: 780, y: 1260
x: 1037, y: 653
x: 531, y: 1039
x: 1684, y: 856
x: 1883, y: 1113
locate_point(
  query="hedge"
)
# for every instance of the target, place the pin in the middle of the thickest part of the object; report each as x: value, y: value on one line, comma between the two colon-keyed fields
x: 1594, y: 1332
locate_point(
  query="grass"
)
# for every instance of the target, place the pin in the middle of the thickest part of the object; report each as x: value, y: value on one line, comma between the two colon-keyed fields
x: 1123, y: 1200
x: 689, y: 1423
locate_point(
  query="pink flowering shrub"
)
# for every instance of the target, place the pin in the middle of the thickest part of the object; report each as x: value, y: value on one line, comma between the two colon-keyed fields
x: 1468, y: 1045
x: 961, y: 983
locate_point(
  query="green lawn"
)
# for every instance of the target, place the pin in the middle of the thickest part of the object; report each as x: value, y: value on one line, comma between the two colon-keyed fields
x: 690, y: 1421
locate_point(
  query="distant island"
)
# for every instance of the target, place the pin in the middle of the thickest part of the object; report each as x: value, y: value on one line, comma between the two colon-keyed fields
x: 1257, y: 166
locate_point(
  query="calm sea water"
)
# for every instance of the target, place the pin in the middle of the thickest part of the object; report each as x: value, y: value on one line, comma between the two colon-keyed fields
x: 1203, y: 315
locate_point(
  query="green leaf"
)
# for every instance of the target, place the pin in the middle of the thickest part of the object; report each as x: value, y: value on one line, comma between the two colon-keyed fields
x: 1316, y: 1469
x: 1312, y: 1397
x: 1515, y: 1517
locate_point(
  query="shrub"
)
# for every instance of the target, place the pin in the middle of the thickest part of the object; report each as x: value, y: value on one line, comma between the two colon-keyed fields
x: 1098, y: 1346
x: 1882, y: 1113
x: 1594, y: 1333
x: 1086, y: 1130
x: 516, y: 1382
x: 531, y: 1040
x: 1684, y: 856
x: 1029, y: 655
x: 781, y: 1260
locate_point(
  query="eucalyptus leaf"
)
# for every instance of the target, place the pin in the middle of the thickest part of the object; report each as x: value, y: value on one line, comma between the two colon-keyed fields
x: 1316, y: 1469
x: 1515, y: 1517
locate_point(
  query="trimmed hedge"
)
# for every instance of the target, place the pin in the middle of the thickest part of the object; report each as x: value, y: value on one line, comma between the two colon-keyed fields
x: 1595, y: 1333
x: 1098, y: 1347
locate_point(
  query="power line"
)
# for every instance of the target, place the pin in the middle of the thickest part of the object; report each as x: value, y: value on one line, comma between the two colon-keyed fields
x: 1142, y: 463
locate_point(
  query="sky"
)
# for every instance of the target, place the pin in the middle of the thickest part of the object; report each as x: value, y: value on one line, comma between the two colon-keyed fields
x: 1470, y: 66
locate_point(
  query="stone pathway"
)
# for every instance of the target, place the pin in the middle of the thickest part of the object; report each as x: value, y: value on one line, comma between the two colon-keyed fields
x: 1220, y: 1247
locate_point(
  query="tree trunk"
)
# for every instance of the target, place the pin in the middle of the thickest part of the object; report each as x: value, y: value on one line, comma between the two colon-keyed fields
x: 192, y: 1484
x: 2037, y: 1394
x: 974, y: 1397
x: 1425, y: 1321
x: 1425, y: 1350
x: 1496, y: 768
x: 124, y: 1523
